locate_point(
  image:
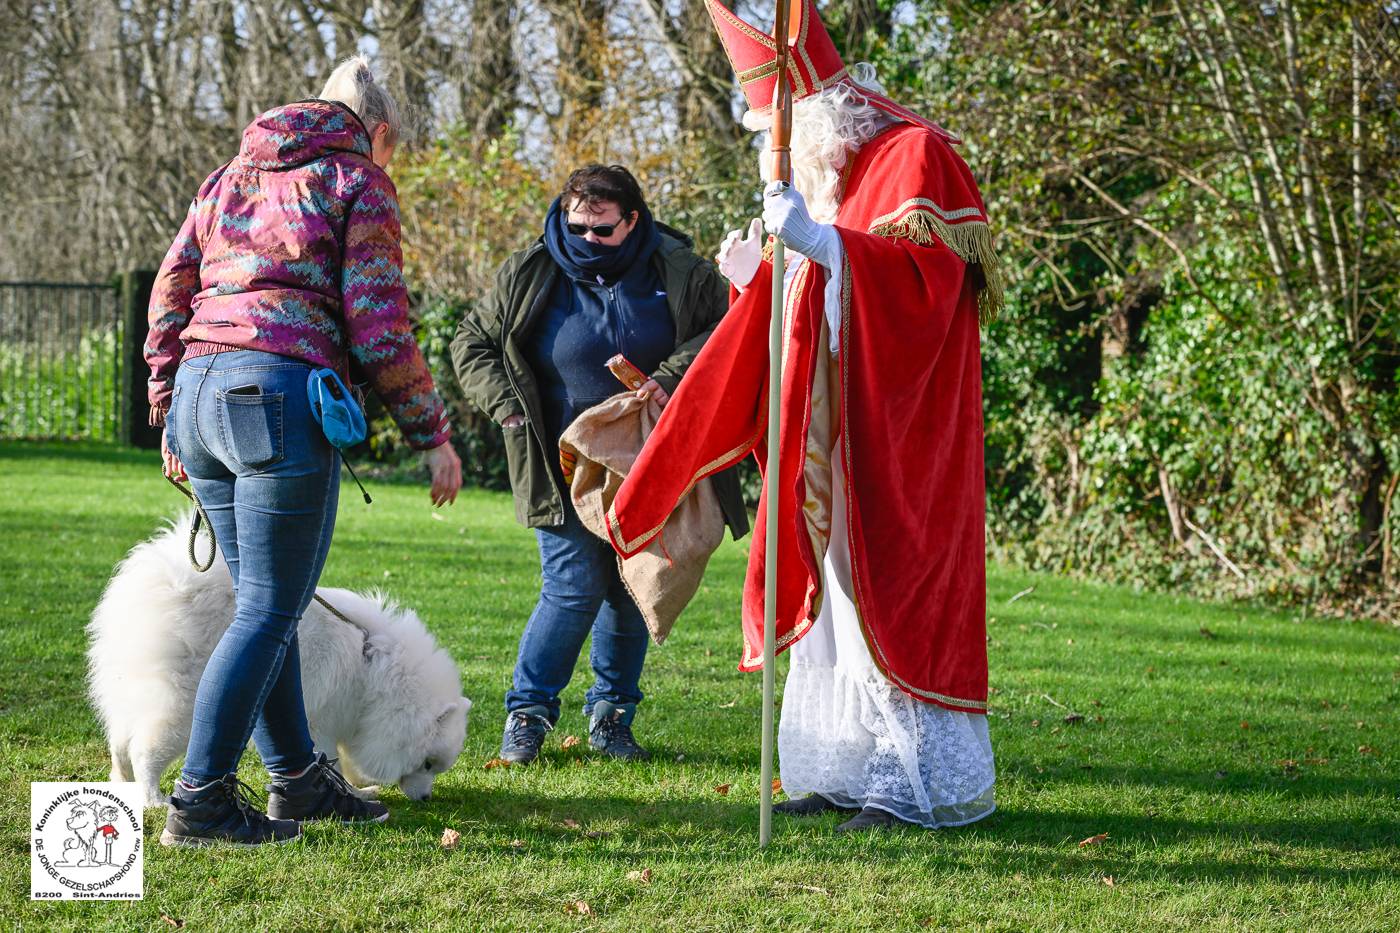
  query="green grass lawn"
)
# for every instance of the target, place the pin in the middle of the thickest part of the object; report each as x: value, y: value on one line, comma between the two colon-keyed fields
x: 1241, y: 762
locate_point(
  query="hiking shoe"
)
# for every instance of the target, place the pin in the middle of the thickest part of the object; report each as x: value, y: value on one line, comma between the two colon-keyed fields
x: 810, y: 805
x: 610, y: 732
x: 321, y: 793
x: 221, y: 813
x: 869, y: 818
x: 524, y: 735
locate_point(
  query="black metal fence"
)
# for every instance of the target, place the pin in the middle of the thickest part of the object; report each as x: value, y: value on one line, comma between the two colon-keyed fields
x: 62, y: 361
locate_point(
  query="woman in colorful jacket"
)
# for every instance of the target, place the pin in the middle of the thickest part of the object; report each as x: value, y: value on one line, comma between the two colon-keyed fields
x: 604, y: 279
x: 288, y: 261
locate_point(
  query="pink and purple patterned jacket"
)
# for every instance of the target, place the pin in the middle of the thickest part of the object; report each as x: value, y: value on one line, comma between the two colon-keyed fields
x: 293, y: 248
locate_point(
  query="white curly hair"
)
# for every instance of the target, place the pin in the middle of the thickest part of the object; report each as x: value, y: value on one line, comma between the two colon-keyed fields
x: 827, y: 129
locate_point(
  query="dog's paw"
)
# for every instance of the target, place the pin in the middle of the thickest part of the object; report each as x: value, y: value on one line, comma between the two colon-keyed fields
x: 368, y: 793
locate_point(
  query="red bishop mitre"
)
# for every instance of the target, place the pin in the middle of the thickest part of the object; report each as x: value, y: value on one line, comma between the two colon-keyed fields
x: 813, y: 63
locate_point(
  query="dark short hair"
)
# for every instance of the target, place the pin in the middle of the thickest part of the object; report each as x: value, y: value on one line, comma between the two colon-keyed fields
x: 594, y: 183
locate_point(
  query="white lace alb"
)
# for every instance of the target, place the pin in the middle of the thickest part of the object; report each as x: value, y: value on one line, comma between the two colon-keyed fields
x: 846, y: 732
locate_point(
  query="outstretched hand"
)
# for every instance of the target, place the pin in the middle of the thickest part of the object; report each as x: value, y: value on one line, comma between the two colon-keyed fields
x: 740, y: 254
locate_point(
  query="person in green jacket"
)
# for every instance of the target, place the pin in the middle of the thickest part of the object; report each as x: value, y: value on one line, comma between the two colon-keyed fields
x: 603, y: 279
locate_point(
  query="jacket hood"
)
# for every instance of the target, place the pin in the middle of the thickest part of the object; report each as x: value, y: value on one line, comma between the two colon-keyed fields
x: 286, y: 137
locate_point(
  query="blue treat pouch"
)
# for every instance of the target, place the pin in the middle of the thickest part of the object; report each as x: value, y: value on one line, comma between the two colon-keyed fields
x: 336, y: 409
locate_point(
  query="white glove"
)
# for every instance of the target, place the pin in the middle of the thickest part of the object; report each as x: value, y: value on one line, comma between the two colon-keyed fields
x: 785, y: 215
x: 739, y: 255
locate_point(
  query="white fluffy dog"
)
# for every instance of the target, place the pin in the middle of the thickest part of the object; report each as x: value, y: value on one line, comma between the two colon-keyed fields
x: 380, y: 694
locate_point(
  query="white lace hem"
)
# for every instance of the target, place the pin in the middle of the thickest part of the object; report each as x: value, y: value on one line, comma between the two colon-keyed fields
x: 861, y: 742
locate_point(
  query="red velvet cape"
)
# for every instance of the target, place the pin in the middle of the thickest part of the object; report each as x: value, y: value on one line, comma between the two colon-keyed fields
x: 906, y: 397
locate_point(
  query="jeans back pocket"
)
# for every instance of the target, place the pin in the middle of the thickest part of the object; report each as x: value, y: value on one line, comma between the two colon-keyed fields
x: 250, y: 423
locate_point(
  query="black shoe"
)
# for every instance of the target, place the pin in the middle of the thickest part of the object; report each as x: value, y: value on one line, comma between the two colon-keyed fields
x: 221, y: 813
x: 524, y: 735
x: 810, y: 805
x: 869, y: 818
x: 610, y: 732
x: 321, y: 793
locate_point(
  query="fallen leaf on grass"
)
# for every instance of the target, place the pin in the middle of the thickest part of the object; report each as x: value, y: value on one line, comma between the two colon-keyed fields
x: 578, y: 907
x: 722, y: 789
x: 495, y: 763
x: 1316, y: 761
x: 450, y: 838
x: 570, y: 824
x: 1365, y: 750
x: 1093, y: 840
x: 1035, y: 723
x: 643, y: 876
x: 1287, y: 764
x: 1244, y: 723
x: 177, y: 924
x: 804, y: 887
x: 729, y: 705
x: 1108, y: 880
x: 1074, y: 718
x: 517, y: 843
x: 569, y: 741
x: 777, y: 785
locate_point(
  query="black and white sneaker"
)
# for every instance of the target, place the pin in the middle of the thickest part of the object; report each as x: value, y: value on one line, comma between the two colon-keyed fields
x: 321, y: 793
x: 221, y: 813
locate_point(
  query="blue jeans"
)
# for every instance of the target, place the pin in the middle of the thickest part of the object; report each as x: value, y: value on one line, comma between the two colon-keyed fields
x: 241, y: 424
x: 582, y: 592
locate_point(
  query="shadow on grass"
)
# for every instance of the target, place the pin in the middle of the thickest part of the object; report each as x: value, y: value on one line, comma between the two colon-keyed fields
x: 625, y: 831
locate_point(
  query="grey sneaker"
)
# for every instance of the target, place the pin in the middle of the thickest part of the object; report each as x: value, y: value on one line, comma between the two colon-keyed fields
x: 221, y: 813
x: 321, y: 793
x: 524, y: 735
x: 610, y: 732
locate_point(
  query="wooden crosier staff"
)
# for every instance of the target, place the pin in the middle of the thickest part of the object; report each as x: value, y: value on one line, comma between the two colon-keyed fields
x: 781, y: 155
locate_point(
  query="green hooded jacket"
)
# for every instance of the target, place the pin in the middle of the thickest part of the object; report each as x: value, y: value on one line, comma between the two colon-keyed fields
x: 489, y: 357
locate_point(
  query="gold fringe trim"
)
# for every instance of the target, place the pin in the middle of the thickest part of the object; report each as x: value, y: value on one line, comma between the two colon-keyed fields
x: 971, y: 241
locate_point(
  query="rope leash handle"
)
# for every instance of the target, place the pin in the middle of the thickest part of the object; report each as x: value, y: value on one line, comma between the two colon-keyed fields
x: 200, y: 518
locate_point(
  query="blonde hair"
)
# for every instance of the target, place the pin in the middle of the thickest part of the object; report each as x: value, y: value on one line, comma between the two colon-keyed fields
x: 827, y: 129
x: 353, y: 84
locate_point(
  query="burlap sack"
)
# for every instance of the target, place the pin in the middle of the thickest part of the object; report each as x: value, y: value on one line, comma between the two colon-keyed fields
x: 600, y: 448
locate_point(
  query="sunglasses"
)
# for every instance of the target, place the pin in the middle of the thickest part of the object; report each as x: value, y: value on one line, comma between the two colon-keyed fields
x: 602, y: 230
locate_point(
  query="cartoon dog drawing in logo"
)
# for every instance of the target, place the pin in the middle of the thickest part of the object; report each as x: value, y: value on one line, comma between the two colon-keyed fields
x: 83, y: 822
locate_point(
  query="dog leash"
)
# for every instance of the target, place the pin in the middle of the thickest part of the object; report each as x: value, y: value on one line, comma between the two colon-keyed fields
x: 202, y: 518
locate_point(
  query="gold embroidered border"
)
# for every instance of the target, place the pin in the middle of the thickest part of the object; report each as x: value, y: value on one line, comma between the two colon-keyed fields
x: 921, y: 221
x: 749, y: 660
x: 631, y: 547
x: 759, y: 73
